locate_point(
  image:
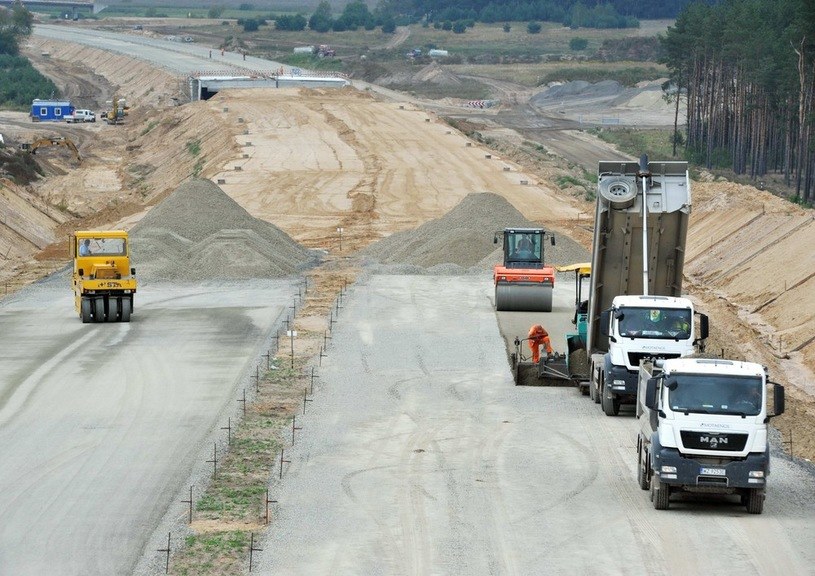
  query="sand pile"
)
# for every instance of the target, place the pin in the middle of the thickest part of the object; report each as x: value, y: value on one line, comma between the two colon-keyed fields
x: 199, y: 233
x: 464, y: 238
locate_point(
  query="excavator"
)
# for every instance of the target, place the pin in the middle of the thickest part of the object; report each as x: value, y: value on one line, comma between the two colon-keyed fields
x: 523, y: 282
x: 117, y: 109
x: 53, y: 141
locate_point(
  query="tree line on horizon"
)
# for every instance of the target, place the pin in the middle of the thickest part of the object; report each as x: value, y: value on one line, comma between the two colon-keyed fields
x: 20, y: 83
x: 747, y: 69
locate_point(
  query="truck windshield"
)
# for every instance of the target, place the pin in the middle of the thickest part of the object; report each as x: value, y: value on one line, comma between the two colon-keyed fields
x: 716, y: 394
x: 101, y: 246
x: 655, y: 323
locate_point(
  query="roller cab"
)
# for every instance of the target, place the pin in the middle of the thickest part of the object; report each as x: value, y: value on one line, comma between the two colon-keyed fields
x: 523, y: 282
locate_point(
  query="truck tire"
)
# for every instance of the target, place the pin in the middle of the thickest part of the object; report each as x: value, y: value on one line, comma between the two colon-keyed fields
x: 642, y: 470
x: 754, y: 501
x: 85, y: 310
x: 98, y: 309
x: 611, y: 407
x: 113, y: 309
x: 127, y: 307
x: 660, y: 495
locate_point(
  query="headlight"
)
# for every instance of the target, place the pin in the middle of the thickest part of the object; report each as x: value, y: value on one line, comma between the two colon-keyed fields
x: 618, y: 383
x: 668, y: 470
x: 756, y: 474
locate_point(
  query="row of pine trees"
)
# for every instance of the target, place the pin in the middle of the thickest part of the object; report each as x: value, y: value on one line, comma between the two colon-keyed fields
x: 747, y: 68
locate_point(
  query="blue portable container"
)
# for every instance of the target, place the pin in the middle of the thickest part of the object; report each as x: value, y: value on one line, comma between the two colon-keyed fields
x: 50, y: 110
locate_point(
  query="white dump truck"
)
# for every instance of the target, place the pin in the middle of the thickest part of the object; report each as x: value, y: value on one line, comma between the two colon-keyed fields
x: 704, y: 429
x: 635, y: 308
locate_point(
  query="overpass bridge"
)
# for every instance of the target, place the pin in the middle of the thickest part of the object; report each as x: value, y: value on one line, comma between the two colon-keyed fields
x: 74, y: 5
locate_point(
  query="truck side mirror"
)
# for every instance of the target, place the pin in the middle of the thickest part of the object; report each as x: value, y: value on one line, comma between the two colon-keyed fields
x: 651, y: 399
x: 778, y: 399
x: 495, y: 239
x: 132, y: 271
x: 81, y: 271
x: 605, y: 318
x: 553, y: 240
x: 704, y: 326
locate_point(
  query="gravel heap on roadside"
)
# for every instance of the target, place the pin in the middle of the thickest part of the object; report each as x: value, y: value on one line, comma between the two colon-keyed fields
x: 199, y: 233
x: 462, y: 240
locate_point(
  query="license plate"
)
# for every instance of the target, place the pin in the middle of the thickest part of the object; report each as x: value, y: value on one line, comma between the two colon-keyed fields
x: 713, y: 471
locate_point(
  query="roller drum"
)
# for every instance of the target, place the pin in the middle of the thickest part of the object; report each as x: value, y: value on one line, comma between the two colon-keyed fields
x: 523, y: 297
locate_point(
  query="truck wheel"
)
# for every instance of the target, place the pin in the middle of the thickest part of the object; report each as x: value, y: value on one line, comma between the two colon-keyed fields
x: 113, y: 309
x: 660, y: 495
x: 610, y: 406
x: 127, y: 306
x: 642, y: 471
x: 98, y: 309
x: 85, y: 309
x: 755, y: 501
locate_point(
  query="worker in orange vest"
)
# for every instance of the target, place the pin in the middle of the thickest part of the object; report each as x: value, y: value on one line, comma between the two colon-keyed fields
x: 538, y: 336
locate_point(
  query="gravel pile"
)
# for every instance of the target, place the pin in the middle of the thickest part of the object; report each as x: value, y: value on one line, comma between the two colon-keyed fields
x: 581, y: 88
x: 199, y: 233
x: 462, y: 240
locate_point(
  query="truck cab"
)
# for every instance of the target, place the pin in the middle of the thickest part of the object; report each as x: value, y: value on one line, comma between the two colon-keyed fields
x: 703, y: 428
x: 639, y: 327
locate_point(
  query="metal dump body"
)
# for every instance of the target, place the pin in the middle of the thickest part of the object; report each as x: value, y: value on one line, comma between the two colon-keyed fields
x: 617, y: 254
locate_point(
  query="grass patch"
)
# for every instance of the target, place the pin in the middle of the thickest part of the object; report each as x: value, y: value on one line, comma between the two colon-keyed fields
x: 194, y: 147
x: 467, y: 89
x: 150, y: 125
x: 212, y: 553
x: 593, y: 73
x: 636, y: 142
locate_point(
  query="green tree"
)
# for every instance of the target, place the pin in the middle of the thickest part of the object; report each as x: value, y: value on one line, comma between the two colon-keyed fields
x: 15, y: 24
x: 355, y: 14
x: 291, y: 23
x: 321, y: 20
x: 215, y: 12
x: 533, y: 28
x: 578, y: 43
x: 388, y: 25
x: 459, y: 27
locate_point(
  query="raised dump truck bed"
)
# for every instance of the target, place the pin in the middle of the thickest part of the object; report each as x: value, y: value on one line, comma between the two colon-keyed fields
x: 617, y: 253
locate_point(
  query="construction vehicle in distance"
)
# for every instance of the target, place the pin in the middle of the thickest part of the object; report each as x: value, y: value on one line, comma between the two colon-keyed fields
x: 103, y: 281
x: 325, y: 51
x: 523, y: 282
x: 53, y: 141
x: 635, y: 308
x: 704, y: 429
x: 116, y: 111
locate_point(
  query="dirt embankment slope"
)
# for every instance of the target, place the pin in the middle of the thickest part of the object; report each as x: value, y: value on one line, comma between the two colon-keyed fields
x: 312, y: 162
